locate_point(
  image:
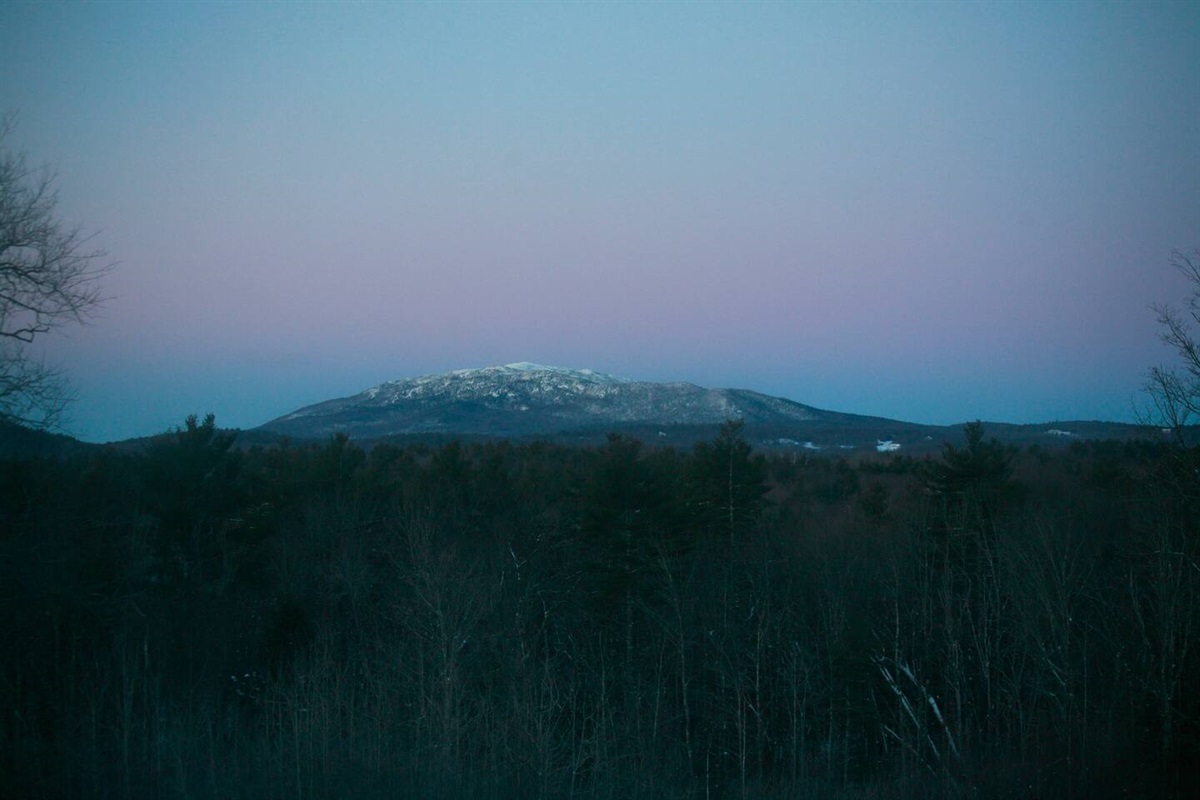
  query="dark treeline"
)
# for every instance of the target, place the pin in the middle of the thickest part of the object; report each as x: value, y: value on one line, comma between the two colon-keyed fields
x: 510, y: 621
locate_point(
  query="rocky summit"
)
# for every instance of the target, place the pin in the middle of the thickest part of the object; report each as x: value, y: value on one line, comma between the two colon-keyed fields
x: 581, y: 405
x: 525, y: 399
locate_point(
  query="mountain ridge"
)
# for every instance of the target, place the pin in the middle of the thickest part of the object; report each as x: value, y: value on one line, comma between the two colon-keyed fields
x: 523, y: 401
x: 524, y: 398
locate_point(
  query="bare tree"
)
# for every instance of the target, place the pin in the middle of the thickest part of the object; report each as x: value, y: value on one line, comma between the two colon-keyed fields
x: 48, y: 278
x: 1175, y: 391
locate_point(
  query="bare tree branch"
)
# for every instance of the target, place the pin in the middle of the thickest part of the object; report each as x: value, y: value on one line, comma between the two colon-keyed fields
x: 49, y: 277
x: 1175, y: 391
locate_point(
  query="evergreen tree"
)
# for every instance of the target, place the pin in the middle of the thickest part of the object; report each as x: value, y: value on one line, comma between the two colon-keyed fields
x: 727, y: 482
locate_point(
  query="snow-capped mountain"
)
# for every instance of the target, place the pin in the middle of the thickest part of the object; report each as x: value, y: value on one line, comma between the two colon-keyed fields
x: 527, y: 399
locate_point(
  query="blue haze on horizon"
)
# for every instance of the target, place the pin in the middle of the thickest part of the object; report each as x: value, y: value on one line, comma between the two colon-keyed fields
x: 933, y: 212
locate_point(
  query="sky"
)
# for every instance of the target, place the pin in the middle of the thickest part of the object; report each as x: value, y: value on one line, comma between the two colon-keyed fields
x: 933, y: 212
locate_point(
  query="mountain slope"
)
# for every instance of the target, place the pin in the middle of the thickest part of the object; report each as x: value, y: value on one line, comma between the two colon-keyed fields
x: 530, y: 399
x: 524, y: 400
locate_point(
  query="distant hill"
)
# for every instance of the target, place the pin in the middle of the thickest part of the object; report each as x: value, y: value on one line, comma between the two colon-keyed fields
x: 529, y: 401
x: 17, y: 441
x: 526, y: 400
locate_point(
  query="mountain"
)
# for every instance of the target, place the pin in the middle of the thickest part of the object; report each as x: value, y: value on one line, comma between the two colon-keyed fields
x: 523, y: 400
x: 531, y: 400
x: 526, y: 399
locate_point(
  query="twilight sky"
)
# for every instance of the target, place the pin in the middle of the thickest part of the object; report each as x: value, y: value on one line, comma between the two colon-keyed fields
x: 927, y: 211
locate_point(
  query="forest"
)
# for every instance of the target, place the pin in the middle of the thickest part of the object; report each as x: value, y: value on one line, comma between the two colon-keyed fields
x: 201, y: 618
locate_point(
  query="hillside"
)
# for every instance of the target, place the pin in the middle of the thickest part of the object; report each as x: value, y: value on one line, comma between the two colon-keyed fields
x: 525, y: 400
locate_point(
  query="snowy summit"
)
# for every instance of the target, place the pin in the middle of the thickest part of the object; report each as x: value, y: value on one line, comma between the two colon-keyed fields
x: 525, y: 398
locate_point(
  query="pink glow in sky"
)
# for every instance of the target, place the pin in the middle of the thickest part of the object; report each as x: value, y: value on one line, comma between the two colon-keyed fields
x: 931, y: 212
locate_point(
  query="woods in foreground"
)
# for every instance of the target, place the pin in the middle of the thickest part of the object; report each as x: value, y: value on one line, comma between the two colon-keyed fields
x: 504, y: 621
